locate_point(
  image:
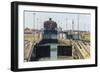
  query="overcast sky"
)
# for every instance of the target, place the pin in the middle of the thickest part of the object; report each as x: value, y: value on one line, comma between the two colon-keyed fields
x: 35, y: 20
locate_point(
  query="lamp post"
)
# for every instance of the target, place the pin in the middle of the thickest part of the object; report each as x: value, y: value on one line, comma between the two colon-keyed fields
x: 73, y: 28
x: 78, y: 27
x: 34, y: 26
x: 66, y: 27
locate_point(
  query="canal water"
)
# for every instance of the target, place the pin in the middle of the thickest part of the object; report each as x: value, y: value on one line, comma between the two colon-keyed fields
x: 53, y: 51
